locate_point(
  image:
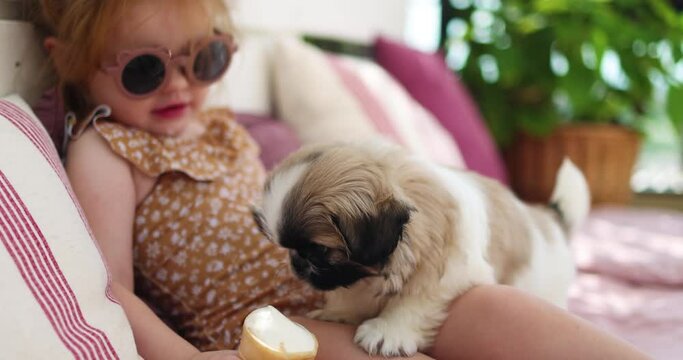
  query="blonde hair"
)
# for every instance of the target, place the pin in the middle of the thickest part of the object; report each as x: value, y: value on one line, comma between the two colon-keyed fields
x: 82, y: 28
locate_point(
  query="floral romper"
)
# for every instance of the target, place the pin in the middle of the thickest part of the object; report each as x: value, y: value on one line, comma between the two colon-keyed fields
x: 199, y: 258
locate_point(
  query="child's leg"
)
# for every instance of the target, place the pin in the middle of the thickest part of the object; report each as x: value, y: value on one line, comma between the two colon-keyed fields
x: 500, y: 322
x: 336, y: 341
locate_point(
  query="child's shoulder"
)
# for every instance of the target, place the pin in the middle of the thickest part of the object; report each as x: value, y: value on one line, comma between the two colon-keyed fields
x: 88, y: 142
x: 90, y: 153
x: 99, y: 138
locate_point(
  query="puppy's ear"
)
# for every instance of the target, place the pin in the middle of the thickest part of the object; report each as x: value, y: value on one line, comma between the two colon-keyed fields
x: 260, y: 221
x: 372, y: 238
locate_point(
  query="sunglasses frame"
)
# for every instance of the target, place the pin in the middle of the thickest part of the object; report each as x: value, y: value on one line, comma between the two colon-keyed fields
x: 167, y: 57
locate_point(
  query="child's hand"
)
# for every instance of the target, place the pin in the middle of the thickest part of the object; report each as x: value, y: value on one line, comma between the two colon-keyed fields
x: 217, y: 355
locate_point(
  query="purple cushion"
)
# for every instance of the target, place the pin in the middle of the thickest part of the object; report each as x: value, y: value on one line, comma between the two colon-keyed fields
x: 435, y: 86
x: 274, y: 137
x: 50, y: 111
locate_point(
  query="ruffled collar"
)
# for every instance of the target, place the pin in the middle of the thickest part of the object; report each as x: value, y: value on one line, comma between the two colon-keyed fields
x: 211, y: 155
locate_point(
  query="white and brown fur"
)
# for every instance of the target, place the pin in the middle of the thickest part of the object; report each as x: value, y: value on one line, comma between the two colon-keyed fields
x: 395, y: 238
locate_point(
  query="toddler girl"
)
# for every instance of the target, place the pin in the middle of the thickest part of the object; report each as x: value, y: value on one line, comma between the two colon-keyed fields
x: 166, y: 186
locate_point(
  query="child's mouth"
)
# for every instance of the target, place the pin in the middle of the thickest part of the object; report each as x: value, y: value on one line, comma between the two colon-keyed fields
x: 171, y: 111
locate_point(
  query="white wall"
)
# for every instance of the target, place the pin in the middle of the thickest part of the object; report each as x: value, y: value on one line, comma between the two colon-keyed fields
x: 359, y: 20
x: 423, y: 24
x: 10, y: 9
x: 22, y: 63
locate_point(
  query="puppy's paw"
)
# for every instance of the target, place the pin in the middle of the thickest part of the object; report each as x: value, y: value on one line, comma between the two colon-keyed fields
x: 379, y: 336
x: 318, y: 314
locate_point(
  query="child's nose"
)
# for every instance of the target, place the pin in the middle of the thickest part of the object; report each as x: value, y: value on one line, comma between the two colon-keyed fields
x: 178, y: 80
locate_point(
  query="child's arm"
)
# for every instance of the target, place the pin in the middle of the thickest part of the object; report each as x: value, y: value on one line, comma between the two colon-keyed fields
x: 104, y: 186
x: 103, y: 183
x: 502, y: 322
x: 336, y: 342
x: 148, y: 329
x: 495, y: 322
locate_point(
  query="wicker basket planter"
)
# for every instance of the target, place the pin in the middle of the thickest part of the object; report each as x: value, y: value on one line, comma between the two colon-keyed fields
x: 605, y: 153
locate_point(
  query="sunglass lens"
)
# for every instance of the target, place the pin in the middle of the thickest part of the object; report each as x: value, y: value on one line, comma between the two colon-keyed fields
x: 211, y: 62
x: 143, y: 74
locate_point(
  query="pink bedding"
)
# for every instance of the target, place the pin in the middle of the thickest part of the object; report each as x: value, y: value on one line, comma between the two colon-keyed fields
x: 630, y: 279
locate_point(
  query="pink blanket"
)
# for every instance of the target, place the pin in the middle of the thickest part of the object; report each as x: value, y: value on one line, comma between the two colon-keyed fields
x: 630, y: 279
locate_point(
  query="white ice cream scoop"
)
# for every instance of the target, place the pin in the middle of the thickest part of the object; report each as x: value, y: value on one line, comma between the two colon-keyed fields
x: 269, y: 335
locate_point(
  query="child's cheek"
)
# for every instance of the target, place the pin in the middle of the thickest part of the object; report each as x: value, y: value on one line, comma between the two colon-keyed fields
x: 199, y: 97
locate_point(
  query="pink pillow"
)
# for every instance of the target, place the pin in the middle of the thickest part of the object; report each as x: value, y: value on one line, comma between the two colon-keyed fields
x: 327, y: 99
x: 434, y: 86
x: 394, y: 113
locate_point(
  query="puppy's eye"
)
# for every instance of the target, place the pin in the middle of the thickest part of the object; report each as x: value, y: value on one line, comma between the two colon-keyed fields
x: 312, y: 250
x: 306, y: 251
x: 337, y: 256
x: 318, y: 253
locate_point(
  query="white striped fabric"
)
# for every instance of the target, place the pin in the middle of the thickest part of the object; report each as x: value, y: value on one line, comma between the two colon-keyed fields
x: 328, y: 98
x: 55, y: 301
x: 415, y: 127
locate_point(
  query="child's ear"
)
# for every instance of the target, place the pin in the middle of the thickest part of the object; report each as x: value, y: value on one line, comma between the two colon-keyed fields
x: 50, y: 43
x: 54, y: 49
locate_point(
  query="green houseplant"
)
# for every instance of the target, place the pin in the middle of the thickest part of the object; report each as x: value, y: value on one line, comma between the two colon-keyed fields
x: 538, y: 67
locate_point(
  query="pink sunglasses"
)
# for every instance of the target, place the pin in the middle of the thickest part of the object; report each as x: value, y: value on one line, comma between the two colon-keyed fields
x: 142, y: 72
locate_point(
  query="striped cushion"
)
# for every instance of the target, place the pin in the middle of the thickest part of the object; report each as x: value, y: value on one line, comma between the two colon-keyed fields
x: 326, y: 98
x: 394, y: 113
x: 55, y: 287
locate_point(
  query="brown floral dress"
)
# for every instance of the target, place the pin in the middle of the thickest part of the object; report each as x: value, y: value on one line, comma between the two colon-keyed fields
x: 199, y: 258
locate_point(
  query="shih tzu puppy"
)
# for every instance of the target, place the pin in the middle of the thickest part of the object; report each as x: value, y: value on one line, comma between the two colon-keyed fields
x: 394, y: 239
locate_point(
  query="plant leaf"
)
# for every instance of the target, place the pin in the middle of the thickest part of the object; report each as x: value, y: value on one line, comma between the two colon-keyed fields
x: 674, y: 107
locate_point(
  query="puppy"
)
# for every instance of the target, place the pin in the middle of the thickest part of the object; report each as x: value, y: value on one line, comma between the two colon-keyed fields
x: 393, y: 239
